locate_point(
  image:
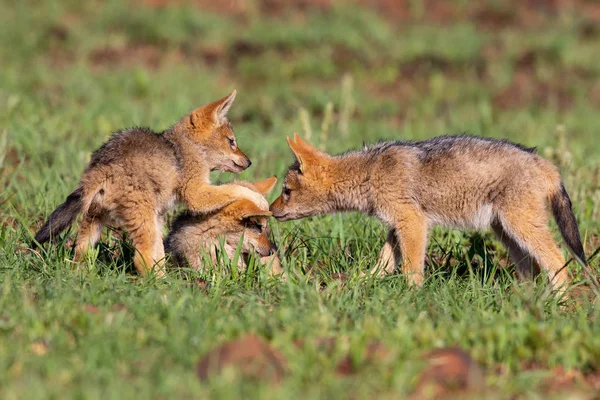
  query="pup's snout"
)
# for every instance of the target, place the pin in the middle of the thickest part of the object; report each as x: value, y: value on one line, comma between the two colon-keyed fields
x: 242, y: 159
x: 272, y: 249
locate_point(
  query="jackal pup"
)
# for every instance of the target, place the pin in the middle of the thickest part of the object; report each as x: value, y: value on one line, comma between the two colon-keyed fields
x: 196, y: 235
x: 458, y: 181
x: 135, y: 177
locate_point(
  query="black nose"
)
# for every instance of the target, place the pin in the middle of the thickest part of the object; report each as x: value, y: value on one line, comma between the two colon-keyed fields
x: 249, y: 163
x: 272, y: 251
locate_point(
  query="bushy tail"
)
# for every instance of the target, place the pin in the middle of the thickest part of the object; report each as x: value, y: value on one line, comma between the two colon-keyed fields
x: 563, y: 213
x: 61, y: 218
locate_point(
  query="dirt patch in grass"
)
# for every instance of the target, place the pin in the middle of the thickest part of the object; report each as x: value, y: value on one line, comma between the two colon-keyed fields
x: 493, y: 19
x: 508, y: 14
x: 225, y: 7
x: 241, y: 8
x: 525, y: 89
x: 211, y: 55
x: 590, y: 9
x: 595, y: 95
x: 279, y: 7
x: 10, y: 160
x: 589, y: 30
x: 91, y: 309
x: 241, y: 48
x: 145, y: 54
x: 452, y: 373
x: 581, y: 294
x: 414, y: 82
x: 153, y: 56
x: 448, y: 371
x: 58, y: 53
x: 528, y: 88
x: 571, y: 381
x: 9, y: 222
x: 395, y: 10
x: 250, y: 356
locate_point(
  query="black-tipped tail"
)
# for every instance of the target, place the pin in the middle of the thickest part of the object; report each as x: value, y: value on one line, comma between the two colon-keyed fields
x: 61, y: 218
x: 563, y: 213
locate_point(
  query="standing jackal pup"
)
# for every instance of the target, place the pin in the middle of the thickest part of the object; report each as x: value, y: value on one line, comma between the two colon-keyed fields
x: 194, y: 236
x: 458, y: 181
x: 135, y: 177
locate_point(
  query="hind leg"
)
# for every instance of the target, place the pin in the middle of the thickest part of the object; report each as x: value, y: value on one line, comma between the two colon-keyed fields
x: 528, y: 227
x: 527, y: 268
x: 89, y: 234
x: 146, y: 234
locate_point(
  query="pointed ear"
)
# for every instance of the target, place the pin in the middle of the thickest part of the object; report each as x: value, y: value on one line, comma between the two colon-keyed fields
x: 300, y: 142
x: 212, y: 113
x: 223, y: 106
x: 264, y: 187
x: 305, y: 153
x: 247, y: 209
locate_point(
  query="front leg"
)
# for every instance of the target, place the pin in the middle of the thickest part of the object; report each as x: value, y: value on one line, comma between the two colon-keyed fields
x: 411, y: 231
x: 204, y: 198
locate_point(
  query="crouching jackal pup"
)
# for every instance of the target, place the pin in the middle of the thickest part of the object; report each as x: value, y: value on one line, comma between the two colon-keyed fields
x: 458, y: 181
x: 135, y: 177
x: 194, y: 236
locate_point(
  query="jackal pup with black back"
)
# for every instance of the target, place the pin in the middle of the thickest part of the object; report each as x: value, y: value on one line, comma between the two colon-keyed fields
x: 195, y: 238
x: 138, y: 175
x: 457, y: 181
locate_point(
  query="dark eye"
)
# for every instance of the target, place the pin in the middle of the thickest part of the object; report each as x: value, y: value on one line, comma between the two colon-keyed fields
x: 255, y: 226
x: 231, y: 142
x: 286, y: 192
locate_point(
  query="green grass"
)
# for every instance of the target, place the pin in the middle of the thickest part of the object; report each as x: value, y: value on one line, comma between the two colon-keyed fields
x: 61, y: 97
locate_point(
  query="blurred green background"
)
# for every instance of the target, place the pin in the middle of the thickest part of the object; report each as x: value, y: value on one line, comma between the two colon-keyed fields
x: 341, y: 73
x: 74, y: 71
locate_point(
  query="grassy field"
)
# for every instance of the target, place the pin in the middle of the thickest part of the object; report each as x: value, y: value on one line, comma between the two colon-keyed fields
x: 341, y: 74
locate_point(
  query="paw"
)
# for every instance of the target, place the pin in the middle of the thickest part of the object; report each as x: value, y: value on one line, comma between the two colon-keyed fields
x: 273, y: 263
x: 255, y: 197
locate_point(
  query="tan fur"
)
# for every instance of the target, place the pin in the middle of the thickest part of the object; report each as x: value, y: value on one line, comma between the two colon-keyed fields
x: 463, y: 182
x: 194, y: 237
x: 138, y: 175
